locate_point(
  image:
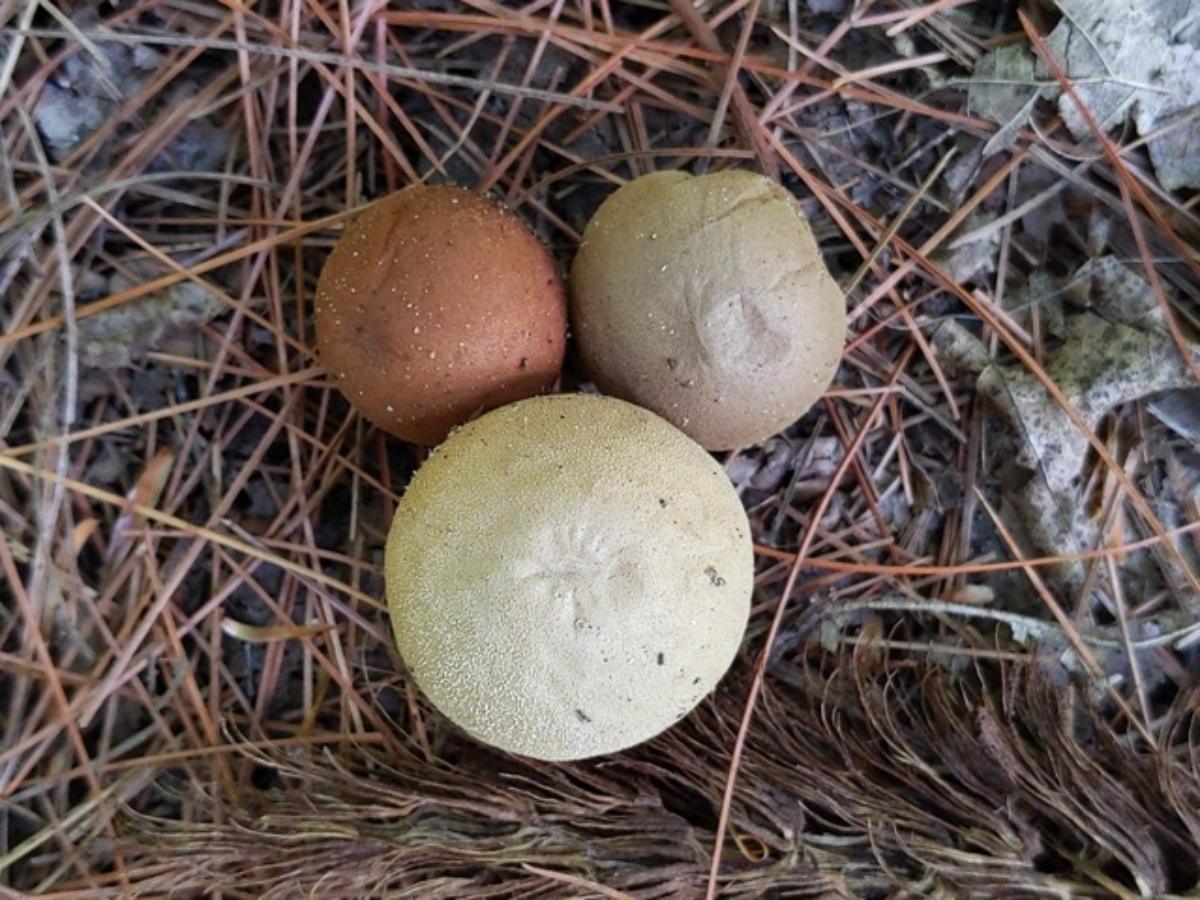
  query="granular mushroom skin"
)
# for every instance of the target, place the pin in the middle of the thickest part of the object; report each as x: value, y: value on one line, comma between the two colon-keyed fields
x: 568, y: 576
x: 437, y: 304
x: 706, y: 300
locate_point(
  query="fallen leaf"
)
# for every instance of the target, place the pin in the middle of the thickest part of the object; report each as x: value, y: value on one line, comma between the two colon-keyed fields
x: 1108, y: 286
x: 1113, y: 353
x: 1101, y: 364
x: 1179, y: 411
x: 966, y: 260
x: 120, y: 336
x: 89, y: 87
x: 1004, y: 88
x: 1139, y: 59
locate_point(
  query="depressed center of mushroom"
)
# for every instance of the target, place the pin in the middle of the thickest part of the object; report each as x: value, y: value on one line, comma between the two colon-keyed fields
x: 584, y: 574
x: 727, y: 322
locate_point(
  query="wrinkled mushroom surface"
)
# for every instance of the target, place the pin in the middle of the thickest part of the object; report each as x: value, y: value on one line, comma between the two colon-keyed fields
x: 568, y: 576
x: 706, y: 300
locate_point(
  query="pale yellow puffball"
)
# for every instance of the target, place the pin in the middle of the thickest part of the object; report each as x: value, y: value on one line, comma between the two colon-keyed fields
x: 568, y: 576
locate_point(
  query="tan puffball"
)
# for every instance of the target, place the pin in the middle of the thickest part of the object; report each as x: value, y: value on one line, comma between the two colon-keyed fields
x: 568, y: 576
x: 706, y: 300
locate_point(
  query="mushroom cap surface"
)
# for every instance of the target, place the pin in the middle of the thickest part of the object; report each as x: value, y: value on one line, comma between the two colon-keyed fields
x: 706, y: 300
x: 437, y: 303
x: 568, y: 576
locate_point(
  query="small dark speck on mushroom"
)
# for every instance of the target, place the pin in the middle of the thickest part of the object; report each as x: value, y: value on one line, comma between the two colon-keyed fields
x: 714, y: 577
x: 662, y: 659
x: 583, y: 717
x: 662, y: 501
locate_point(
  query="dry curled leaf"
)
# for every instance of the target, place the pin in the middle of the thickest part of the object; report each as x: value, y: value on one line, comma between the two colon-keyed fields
x: 1113, y: 352
x: 1141, y: 59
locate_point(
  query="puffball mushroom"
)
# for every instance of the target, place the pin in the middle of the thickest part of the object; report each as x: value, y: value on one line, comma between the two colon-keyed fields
x: 568, y: 576
x: 435, y: 304
x: 706, y: 300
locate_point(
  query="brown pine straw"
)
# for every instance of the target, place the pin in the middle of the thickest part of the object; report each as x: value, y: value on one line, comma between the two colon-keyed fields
x: 861, y: 777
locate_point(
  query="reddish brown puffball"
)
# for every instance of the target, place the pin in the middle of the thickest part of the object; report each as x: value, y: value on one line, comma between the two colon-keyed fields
x: 437, y: 304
